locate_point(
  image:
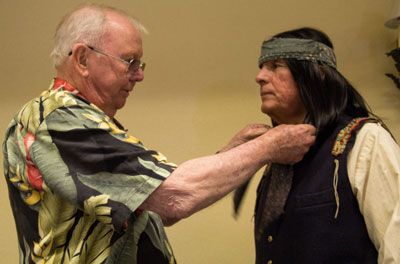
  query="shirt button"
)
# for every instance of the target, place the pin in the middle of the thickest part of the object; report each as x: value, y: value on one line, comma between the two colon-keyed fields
x: 269, y: 239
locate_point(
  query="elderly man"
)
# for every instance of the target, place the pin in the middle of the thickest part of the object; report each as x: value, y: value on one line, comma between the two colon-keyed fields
x: 84, y: 191
x: 341, y: 202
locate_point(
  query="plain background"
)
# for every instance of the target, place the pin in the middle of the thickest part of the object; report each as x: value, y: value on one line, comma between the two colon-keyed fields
x: 199, y: 87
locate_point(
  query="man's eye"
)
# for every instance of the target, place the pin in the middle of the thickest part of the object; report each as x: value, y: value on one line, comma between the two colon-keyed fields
x: 275, y: 65
x: 280, y: 65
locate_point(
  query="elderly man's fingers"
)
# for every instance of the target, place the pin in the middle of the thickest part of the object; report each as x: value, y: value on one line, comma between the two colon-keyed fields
x: 290, y: 142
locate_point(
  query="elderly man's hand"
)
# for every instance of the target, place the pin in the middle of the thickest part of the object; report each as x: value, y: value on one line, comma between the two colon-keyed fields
x: 249, y: 132
x: 289, y: 143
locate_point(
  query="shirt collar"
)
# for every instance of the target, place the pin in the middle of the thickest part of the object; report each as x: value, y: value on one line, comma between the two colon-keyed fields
x: 66, y: 86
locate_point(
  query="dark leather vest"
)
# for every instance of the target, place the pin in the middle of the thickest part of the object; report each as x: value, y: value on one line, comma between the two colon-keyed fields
x: 308, y: 231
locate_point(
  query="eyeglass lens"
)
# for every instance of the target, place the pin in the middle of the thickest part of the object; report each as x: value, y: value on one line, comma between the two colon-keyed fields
x: 135, y: 65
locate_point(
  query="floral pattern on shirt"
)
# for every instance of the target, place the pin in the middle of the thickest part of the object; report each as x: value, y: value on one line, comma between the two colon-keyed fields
x: 76, y: 180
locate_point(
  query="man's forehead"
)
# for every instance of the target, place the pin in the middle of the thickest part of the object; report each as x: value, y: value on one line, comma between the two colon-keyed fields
x: 124, y: 37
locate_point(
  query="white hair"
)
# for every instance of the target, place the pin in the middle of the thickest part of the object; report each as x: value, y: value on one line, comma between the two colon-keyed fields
x: 87, y: 25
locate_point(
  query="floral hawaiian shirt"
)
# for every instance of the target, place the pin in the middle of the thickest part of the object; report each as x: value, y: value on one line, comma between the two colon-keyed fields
x: 76, y: 180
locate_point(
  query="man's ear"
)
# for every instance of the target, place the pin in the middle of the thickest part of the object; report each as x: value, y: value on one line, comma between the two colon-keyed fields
x: 80, y: 59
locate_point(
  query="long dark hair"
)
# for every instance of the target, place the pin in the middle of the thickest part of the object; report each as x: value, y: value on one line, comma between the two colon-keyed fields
x: 325, y: 93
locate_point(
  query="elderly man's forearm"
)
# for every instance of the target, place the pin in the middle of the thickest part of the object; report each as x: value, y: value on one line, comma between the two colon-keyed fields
x: 200, y: 182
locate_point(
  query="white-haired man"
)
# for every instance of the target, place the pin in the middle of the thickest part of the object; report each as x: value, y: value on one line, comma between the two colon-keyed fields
x: 83, y: 190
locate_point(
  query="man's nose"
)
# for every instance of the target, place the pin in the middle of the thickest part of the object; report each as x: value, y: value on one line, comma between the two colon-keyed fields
x: 262, y: 75
x: 138, y: 76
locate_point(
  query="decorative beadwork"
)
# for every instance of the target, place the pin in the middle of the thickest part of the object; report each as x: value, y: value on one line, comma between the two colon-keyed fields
x: 344, y: 136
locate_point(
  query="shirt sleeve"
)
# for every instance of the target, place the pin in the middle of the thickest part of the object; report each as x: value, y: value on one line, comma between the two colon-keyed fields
x: 87, y: 160
x: 373, y: 169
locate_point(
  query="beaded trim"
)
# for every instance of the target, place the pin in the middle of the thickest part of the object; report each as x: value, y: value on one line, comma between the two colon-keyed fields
x: 338, y: 148
x: 344, y: 136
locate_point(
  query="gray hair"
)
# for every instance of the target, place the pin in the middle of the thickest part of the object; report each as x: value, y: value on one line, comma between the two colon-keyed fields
x: 87, y: 24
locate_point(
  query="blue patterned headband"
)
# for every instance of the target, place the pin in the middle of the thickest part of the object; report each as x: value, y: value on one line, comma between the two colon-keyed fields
x: 300, y: 49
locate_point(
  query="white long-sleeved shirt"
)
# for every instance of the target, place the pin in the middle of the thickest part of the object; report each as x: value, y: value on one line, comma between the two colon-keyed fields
x: 374, y: 174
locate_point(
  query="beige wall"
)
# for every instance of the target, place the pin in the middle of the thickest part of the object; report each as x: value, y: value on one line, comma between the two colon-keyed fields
x: 199, y: 87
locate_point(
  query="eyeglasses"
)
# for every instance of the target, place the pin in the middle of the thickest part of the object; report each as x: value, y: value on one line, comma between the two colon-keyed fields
x: 133, y: 65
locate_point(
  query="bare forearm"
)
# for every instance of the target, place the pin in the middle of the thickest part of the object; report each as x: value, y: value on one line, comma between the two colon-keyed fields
x: 200, y: 182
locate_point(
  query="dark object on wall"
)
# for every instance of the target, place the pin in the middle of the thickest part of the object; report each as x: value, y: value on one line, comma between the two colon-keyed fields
x: 395, y: 54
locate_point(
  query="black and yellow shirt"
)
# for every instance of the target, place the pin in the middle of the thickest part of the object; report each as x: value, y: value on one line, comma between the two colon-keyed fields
x: 76, y: 180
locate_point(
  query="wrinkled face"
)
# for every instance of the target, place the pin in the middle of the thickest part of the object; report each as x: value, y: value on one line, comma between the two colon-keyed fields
x: 110, y: 82
x: 279, y: 93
